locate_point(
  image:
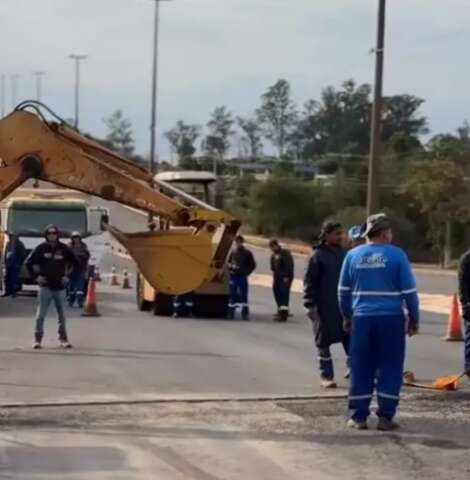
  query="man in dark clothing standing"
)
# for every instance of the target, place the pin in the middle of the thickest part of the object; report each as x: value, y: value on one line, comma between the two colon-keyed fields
x: 15, y: 255
x: 321, y: 298
x: 282, y: 266
x: 51, y: 263
x: 241, y: 264
x: 464, y: 293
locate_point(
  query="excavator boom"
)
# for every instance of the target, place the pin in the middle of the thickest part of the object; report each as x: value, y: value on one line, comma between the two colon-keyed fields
x: 173, y: 261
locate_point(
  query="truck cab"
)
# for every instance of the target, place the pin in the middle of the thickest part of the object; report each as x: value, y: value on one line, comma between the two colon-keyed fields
x: 27, y: 212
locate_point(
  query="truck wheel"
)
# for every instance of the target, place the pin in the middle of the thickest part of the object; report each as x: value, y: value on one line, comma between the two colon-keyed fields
x: 142, y: 304
x: 211, y: 306
x: 163, y: 305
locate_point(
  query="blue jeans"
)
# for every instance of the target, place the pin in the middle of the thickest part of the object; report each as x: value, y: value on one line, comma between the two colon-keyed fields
x: 377, y: 349
x: 47, y: 296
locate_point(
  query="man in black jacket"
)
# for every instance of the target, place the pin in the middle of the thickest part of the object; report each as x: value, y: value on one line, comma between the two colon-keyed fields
x: 321, y: 298
x: 15, y: 255
x: 464, y: 293
x: 282, y: 266
x: 51, y: 263
x: 241, y: 264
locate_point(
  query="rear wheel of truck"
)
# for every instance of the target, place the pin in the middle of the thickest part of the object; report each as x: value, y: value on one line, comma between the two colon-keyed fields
x: 142, y: 304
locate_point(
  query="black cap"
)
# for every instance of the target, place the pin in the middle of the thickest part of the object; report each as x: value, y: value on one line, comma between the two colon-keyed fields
x: 376, y: 223
x: 328, y: 227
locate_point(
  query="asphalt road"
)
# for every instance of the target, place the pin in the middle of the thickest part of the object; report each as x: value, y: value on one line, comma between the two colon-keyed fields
x: 129, y: 355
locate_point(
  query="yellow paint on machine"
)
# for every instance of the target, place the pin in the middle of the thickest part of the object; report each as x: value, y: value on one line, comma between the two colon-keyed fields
x: 432, y: 303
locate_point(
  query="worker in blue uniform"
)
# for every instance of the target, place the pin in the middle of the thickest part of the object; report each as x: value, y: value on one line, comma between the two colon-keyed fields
x: 355, y: 237
x: 376, y: 283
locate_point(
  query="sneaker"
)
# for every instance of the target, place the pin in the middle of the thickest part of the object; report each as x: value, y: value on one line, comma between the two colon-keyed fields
x: 65, y: 344
x: 37, y: 345
x: 357, y: 424
x: 328, y: 383
x: 386, y: 424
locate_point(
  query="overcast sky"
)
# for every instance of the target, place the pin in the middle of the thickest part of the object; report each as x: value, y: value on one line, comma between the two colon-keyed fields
x: 227, y: 52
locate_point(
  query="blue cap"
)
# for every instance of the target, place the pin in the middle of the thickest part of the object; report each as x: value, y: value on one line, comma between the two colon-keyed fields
x: 355, y: 233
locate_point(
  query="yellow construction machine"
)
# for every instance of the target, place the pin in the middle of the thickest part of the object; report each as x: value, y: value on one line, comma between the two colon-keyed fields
x: 174, y: 260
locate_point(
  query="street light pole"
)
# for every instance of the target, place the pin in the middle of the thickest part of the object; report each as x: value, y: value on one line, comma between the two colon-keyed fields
x: 39, y: 76
x: 153, y: 117
x: 373, y: 187
x: 77, y: 59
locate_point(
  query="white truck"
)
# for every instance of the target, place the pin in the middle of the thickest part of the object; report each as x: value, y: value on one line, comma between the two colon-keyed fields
x: 28, y: 211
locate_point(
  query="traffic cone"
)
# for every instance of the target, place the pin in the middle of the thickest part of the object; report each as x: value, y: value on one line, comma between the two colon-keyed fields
x: 454, y: 328
x: 91, y: 309
x: 126, y: 284
x: 113, y: 280
x: 97, y: 274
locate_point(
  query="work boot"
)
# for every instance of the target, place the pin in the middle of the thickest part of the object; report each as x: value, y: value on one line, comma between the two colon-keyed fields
x: 37, y: 345
x: 357, y: 424
x: 328, y: 383
x: 387, y: 424
x: 65, y: 344
x: 283, y: 316
x: 245, y: 313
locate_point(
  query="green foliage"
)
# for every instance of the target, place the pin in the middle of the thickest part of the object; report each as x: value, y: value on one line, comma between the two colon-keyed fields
x: 284, y: 206
x: 182, y: 139
x: 120, y: 135
x: 278, y: 115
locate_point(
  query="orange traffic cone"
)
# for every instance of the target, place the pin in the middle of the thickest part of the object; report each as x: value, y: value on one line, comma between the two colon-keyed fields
x: 126, y: 284
x: 454, y: 328
x: 91, y: 309
x: 97, y: 274
x: 113, y: 280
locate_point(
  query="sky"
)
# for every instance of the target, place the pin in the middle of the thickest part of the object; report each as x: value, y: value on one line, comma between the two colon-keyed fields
x: 228, y: 52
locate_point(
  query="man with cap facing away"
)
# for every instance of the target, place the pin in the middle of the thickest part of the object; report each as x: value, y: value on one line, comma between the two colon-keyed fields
x: 321, y: 299
x: 355, y: 236
x: 376, y: 282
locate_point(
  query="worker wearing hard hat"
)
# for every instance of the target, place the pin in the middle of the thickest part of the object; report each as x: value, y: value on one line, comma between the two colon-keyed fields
x: 355, y: 237
x: 376, y: 281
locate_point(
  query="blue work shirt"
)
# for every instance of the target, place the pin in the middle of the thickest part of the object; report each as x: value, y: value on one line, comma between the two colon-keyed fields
x: 376, y: 280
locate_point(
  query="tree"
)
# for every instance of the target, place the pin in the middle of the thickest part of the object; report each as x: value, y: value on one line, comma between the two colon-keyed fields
x: 120, y: 135
x: 252, y: 133
x: 217, y: 142
x: 182, y: 138
x: 278, y: 115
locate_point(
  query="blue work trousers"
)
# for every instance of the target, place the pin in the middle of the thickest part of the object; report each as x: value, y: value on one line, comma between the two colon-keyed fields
x: 12, y: 278
x: 238, y: 291
x: 76, y: 291
x: 377, y: 350
x: 46, y: 296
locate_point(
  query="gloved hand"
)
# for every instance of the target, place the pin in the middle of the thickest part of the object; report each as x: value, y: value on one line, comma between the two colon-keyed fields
x: 41, y: 280
x: 347, y: 324
x: 64, y: 281
x: 313, y: 315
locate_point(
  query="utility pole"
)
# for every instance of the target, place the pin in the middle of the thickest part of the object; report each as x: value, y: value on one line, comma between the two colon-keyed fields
x: 14, y: 90
x: 77, y: 59
x: 39, y: 76
x: 373, y: 187
x: 2, y: 95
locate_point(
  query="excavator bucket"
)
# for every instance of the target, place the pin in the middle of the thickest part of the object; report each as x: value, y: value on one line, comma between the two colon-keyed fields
x: 172, y: 261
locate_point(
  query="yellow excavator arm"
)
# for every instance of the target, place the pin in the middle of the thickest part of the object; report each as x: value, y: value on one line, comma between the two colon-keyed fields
x: 173, y: 261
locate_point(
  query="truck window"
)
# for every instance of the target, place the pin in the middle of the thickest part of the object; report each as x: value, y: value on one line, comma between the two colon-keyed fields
x: 32, y: 221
